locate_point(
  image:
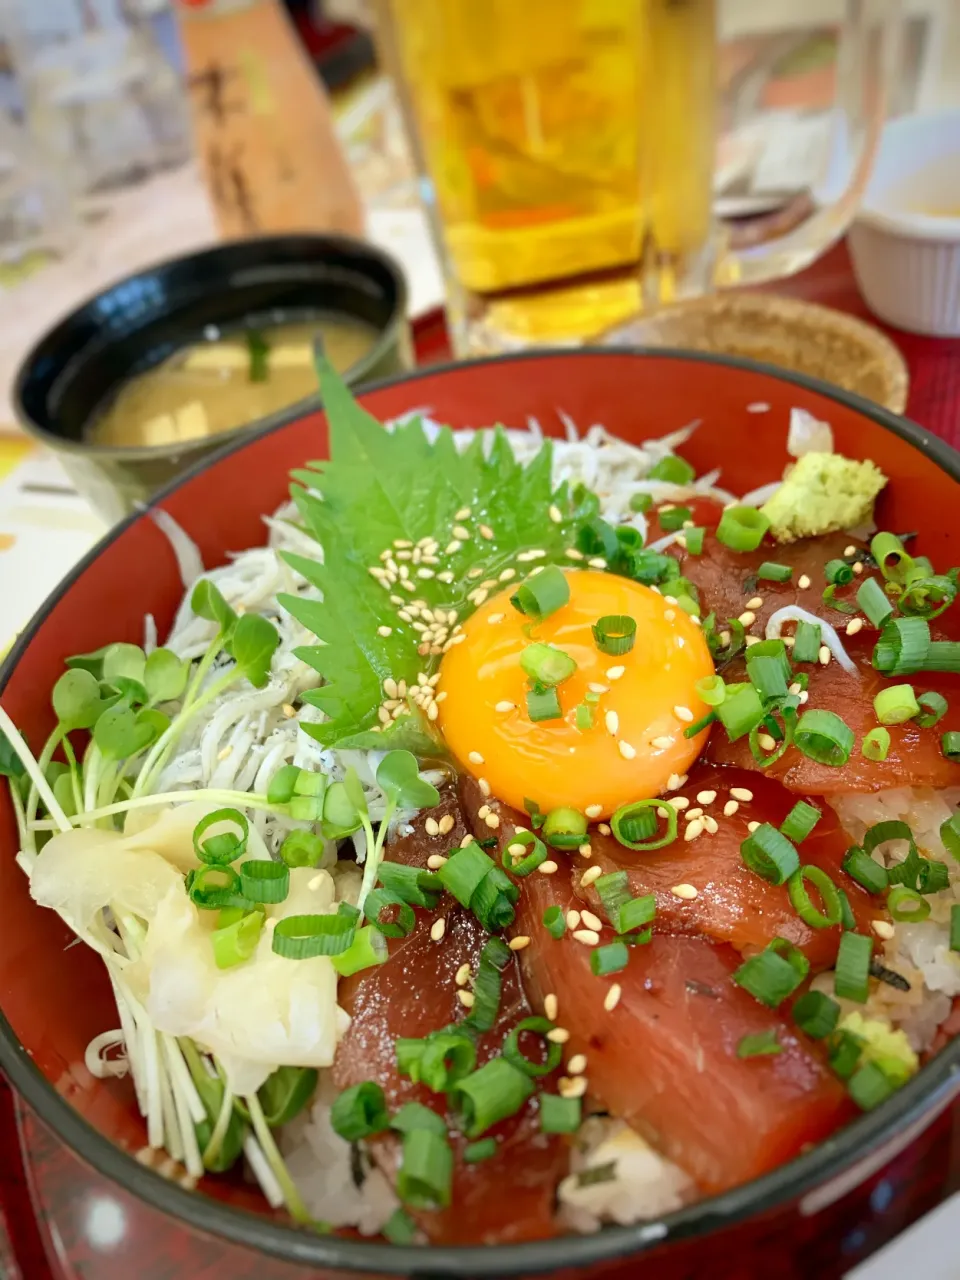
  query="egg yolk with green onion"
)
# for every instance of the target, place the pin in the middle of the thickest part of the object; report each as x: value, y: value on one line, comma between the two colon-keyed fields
x: 629, y: 745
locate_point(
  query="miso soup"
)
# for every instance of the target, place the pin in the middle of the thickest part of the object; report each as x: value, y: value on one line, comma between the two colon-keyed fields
x: 229, y: 381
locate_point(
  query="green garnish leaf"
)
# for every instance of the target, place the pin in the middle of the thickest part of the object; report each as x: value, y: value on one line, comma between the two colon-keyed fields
x: 253, y: 644
x: 120, y: 733
x: 398, y: 776
x: 11, y: 766
x: 126, y: 660
x: 165, y: 676
x: 380, y: 488
x: 77, y: 699
x: 131, y: 691
x: 353, y: 791
x: 208, y: 602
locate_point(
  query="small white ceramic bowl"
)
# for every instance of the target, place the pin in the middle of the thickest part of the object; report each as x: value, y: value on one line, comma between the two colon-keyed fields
x: 905, y: 243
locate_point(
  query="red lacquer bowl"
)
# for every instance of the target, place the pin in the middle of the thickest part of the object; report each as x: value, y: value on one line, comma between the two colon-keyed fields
x: 54, y: 1000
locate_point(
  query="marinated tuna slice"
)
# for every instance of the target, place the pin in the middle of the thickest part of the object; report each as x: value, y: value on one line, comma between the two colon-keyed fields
x: 732, y: 903
x: 663, y: 1054
x: 509, y: 1197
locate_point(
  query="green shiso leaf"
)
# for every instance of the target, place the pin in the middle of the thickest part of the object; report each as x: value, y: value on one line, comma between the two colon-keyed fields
x: 380, y: 486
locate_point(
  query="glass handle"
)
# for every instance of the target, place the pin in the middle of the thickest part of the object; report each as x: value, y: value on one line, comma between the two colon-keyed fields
x: 787, y: 241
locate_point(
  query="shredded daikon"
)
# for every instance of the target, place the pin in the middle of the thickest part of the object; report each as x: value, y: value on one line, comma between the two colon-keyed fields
x: 793, y: 613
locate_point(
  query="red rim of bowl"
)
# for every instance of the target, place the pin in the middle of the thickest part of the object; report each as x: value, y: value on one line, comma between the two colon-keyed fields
x: 833, y: 1167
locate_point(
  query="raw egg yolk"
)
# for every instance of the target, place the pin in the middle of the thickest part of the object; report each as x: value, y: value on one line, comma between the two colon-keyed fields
x: 641, y: 701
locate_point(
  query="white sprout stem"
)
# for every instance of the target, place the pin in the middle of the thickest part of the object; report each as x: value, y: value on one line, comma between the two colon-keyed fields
x: 298, y: 1210
x: 793, y: 613
x: 185, y: 1121
x: 374, y: 850
x: 33, y: 769
x: 184, y: 1080
x: 220, y: 1128
x: 97, y: 1063
x: 170, y: 1139
x: 269, y: 1185
x: 242, y: 799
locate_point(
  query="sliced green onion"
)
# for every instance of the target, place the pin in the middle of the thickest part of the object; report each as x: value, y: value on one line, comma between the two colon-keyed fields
x: 762, y: 1045
x: 876, y: 744
x: 771, y: 649
x: 554, y: 921
x: 280, y: 790
x: 891, y: 558
x: 816, y: 1014
x: 309, y: 784
x: 651, y: 567
x: 493, y: 902
x: 366, y: 951
x: 742, y: 528
x: 302, y: 849
x: 858, y: 864
x: 766, y: 675
x: 674, y: 518
x: 847, y: 919
x: 869, y: 1086
x: 543, y: 704
x: 955, y: 927
x: 379, y: 901
x: 844, y: 1053
x: 409, y: 1053
x: 851, y: 980
x: 641, y: 502
x: 838, y: 572
x: 613, y: 889
x: 698, y: 726
x: 464, y: 870
x: 488, y: 984
x: 410, y: 884
x: 306, y: 808
x: 237, y: 942
x: 800, y: 821
x: 724, y: 653
x: 448, y: 1056
x: 559, y: 1115
x: 212, y: 887
x: 615, y: 634
x: 740, y: 711
x: 806, y: 641
x: 400, y: 1228
x: 788, y: 715
x: 543, y: 594
x: 711, y: 690
x: 769, y: 854
x: 306, y: 936
x: 263, y: 880
x: 359, y: 1112
x: 903, y: 647
x: 583, y: 717
x: 490, y: 1094
x: 773, y: 974
x: 609, y: 959
x: 896, y: 704
x: 934, y: 707
x: 414, y: 1115
x: 829, y: 896
x: 933, y: 876
x: 833, y: 601
x: 672, y: 469
x: 950, y: 745
x: 824, y: 737
x: 771, y: 571
x: 564, y: 828
x: 547, y: 665
x: 881, y: 832
x: 524, y: 863
x: 874, y: 601
x: 928, y: 597
x: 631, y: 824
x: 475, y: 1152
x: 517, y: 1058
x: 425, y: 1176
x: 636, y: 913
x: 950, y: 835
x: 693, y: 540
x: 221, y: 849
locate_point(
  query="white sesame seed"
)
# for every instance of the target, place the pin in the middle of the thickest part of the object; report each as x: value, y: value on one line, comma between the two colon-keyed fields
x: 803, y: 582
x: 593, y: 810
x: 673, y: 782
x: 572, y: 1088
x: 384, y: 631
x: 683, y: 713
x: 225, y: 752
x: 573, y: 919
x: 752, y: 826
x: 824, y: 655
x: 730, y: 808
x: 475, y: 757
x: 679, y: 802
x: 485, y: 531
x: 507, y: 574
x: 483, y: 811
x: 484, y: 786
x: 693, y: 813
x: 437, y: 929
x: 741, y: 793
x: 612, y: 722
x: 467, y: 839
x: 858, y: 567
x: 559, y: 1035
x: 519, y: 942
x: 882, y: 928
x: 604, y: 829
x: 758, y: 406
x: 850, y: 551
x: 662, y: 743
x: 588, y: 877
x: 383, y: 715
x: 494, y: 618
x: 766, y: 741
x: 437, y: 860
x: 551, y: 1006
x: 577, y: 1064
x: 425, y: 573
x: 466, y: 998
x: 526, y: 556
x: 597, y: 562
x: 452, y: 546
x: 446, y: 824
x: 589, y: 937
x: 755, y: 603
x: 748, y: 618
x: 289, y: 710
x: 686, y: 891
x: 433, y: 711
x: 694, y: 829
x: 628, y: 751
x: 710, y: 825
x: 598, y: 688
x: 504, y: 706
x: 462, y: 976
x: 669, y: 615
x: 390, y: 687
x: 571, y: 553
x: 463, y: 514
x: 441, y: 696
x: 585, y: 850
x: 555, y: 514
x: 591, y: 921
x: 614, y: 673
x: 446, y: 576
x: 492, y: 821
x: 706, y: 797
x: 548, y: 868
x: 854, y: 625
x: 804, y: 697
x: 612, y: 998
x: 432, y: 827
